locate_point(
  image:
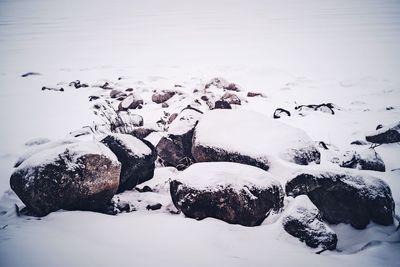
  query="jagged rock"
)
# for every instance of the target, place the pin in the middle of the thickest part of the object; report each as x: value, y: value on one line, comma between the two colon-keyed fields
x: 232, y: 192
x: 303, y: 220
x: 132, y: 101
x: 250, y: 138
x: 162, y: 96
x: 279, y: 112
x: 346, y: 198
x: 175, y: 148
x: 232, y: 99
x: 71, y: 176
x: 137, y: 159
x: 386, y: 135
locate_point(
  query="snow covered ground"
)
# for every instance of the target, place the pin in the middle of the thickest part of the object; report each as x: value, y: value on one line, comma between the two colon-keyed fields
x: 295, y: 52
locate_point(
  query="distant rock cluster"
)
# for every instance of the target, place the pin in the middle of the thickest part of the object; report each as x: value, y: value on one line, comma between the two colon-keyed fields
x: 223, y: 155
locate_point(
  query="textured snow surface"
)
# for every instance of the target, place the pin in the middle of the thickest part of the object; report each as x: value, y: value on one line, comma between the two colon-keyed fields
x: 135, y: 146
x: 212, y: 175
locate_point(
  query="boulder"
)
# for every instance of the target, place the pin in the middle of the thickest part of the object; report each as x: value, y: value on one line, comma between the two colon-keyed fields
x: 346, y: 198
x: 162, y: 96
x: 232, y: 99
x: 132, y: 101
x: 386, y: 135
x: 367, y: 159
x: 71, y: 176
x: 175, y: 149
x: 250, y: 138
x: 232, y: 192
x: 303, y: 221
x: 137, y: 159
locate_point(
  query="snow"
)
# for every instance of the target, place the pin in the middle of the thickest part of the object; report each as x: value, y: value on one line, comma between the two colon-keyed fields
x: 184, y: 122
x: 136, y: 146
x: 294, y: 52
x: 212, y: 175
x: 249, y: 133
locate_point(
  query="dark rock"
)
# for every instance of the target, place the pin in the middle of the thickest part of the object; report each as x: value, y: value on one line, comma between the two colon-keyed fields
x: 222, y: 104
x: 77, y: 84
x: 359, y: 143
x: 106, y: 86
x: 162, y: 96
x: 344, y: 198
x: 391, y: 135
x: 234, y: 198
x: 30, y: 74
x: 172, y: 117
x: 76, y: 176
x: 323, y: 145
x: 132, y: 101
x: 176, y: 148
x: 368, y: 160
x: 145, y: 189
x: 164, y: 105
x: 252, y: 94
x: 232, y: 99
x: 303, y: 221
x: 129, y: 90
x: 154, y: 206
x: 52, y: 89
x: 204, y: 98
x: 232, y: 87
x: 137, y: 159
x: 115, y: 93
x: 325, y: 107
x: 279, y: 112
x: 142, y: 132
x: 93, y: 97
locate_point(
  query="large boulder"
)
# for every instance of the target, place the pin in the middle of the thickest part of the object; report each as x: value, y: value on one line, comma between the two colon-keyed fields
x: 367, y: 159
x: 175, y: 149
x: 250, y: 138
x: 346, y: 198
x: 386, y: 135
x: 71, y: 176
x: 232, y: 192
x: 303, y: 220
x: 137, y: 159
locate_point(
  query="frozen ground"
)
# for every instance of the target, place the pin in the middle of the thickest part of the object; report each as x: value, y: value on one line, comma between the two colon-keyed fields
x: 296, y: 52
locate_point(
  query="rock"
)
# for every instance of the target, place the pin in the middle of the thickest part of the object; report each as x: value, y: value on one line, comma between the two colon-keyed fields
x: 232, y: 99
x: 172, y: 117
x: 359, y: 143
x: 279, y: 112
x: 72, y: 176
x: 93, y: 97
x: 115, y: 93
x: 346, y: 198
x: 386, y: 135
x: 217, y: 82
x: 145, y: 189
x: 222, y: 104
x: 175, y: 149
x: 325, y: 107
x: 162, y: 96
x: 44, y: 88
x: 142, y: 132
x: 106, y: 86
x: 37, y: 141
x: 154, y: 206
x: 77, y: 84
x: 250, y: 138
x: 253, y: 94
x: 367, y: 159
x: 137, y: 159
x: 164, y: 105
x: 132, y: 101
x: 232, y: 192
x: 232, y: 87
x: 303, y: 220
x: 30, y: 74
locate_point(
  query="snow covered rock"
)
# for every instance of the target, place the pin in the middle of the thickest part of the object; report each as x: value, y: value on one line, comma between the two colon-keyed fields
x: 279, y: 112
x: 250, y: 138
x: 162, y: 96
x: 231, y: 98
x: 221, y: 83
x: 71, y: 176
x: 175, y: 148
x: 232, y: 192
x: 137, y: 159
x: 386, y: 135
x: 132, y: 101
x: 116, y: 93
x: 367, y: 159
x: 325, y: 107
x: 346, y: 198
x: 222, y: 104
x: 303, y: 220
